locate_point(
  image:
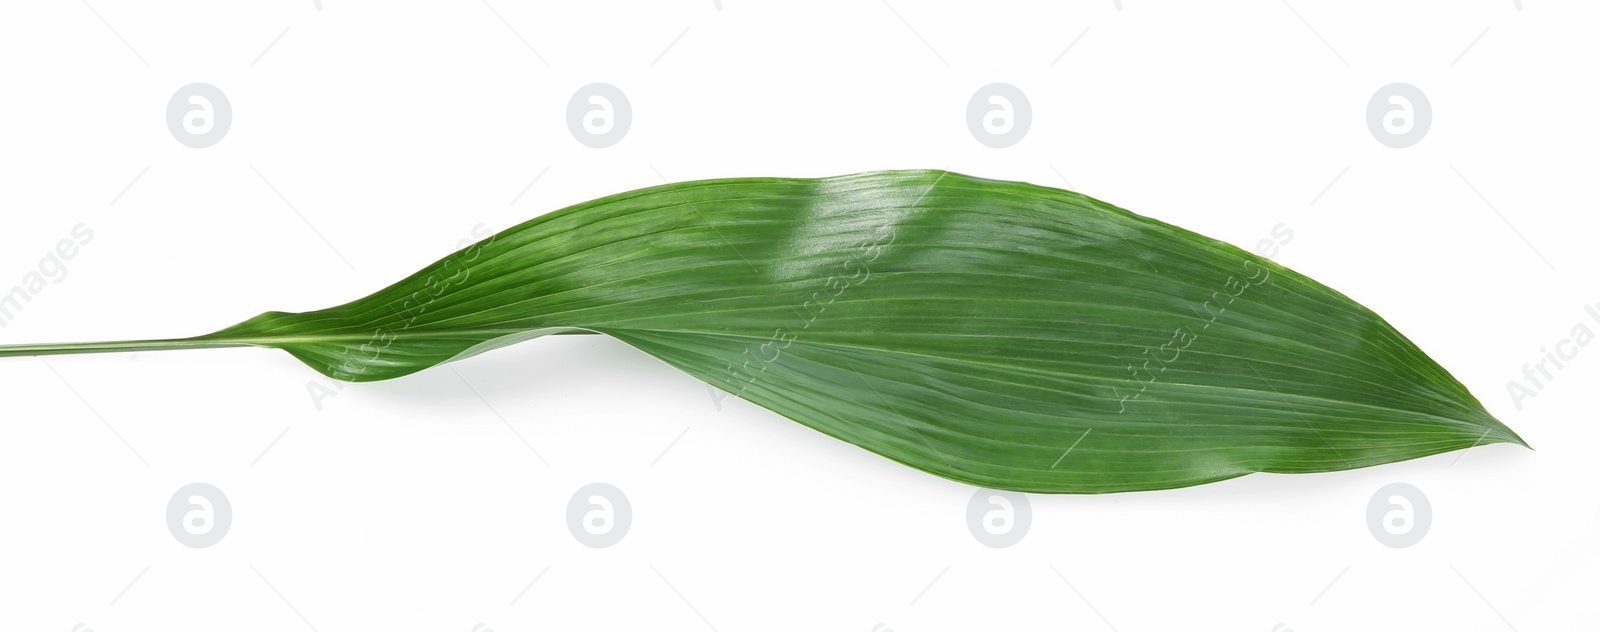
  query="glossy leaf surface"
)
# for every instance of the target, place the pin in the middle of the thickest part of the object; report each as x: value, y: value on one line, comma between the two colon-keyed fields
x: 1003, y: 334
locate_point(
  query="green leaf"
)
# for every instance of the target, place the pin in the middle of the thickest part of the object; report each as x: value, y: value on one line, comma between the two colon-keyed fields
x: 1003, y: 334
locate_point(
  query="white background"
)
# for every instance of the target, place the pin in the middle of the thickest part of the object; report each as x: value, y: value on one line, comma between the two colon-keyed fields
x: 392, y: 129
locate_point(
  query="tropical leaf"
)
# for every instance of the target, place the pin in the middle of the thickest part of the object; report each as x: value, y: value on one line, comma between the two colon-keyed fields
x: 1003, y: 334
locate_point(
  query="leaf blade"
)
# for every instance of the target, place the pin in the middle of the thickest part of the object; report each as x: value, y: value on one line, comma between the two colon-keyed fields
x: 997, y: 333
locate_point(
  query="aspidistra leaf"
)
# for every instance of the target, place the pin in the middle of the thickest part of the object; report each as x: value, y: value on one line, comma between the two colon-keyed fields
x: 1003, y: 334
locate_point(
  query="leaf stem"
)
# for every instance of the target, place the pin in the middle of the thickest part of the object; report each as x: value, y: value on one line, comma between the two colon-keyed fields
x: 12, y: 351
